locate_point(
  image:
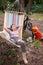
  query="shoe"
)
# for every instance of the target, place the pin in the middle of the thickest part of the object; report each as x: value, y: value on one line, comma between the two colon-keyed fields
x: 24, y: 58
x: 29, y: 39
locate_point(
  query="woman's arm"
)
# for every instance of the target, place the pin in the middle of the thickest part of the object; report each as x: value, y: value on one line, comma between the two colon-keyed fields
x: 8, y: 30
x: 19, y: 29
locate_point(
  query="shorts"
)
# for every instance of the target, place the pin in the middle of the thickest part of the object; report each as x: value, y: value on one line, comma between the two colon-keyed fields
x: 16, y: 40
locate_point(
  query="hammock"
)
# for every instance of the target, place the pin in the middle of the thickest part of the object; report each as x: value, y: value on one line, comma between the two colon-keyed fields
x: 10, y: 18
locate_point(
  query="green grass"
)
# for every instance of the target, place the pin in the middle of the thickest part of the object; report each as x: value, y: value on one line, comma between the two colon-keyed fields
x: 38, y: 16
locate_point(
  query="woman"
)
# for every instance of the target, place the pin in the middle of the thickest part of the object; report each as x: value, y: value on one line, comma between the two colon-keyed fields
x: 14, y: 36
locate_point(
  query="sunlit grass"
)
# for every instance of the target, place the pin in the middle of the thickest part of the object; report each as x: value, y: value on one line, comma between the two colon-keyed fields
x: 38, y: 16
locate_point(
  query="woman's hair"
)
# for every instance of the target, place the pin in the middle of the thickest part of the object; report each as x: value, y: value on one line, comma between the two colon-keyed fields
x: 11, y: 27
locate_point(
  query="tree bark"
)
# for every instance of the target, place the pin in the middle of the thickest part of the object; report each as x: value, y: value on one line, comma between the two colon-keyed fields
x: 21, y: 5
x: 3, y: 5
x: 29, y: 4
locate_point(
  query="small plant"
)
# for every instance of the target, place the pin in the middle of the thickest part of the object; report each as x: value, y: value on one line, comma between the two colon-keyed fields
x: 11, y: 52
x: 37, y: 43
x: 18, y: 63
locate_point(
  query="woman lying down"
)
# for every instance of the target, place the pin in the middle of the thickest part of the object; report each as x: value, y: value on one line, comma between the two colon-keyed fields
x: 14, y: 36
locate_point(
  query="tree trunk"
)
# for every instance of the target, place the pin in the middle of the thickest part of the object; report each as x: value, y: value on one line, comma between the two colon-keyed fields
x: 29, y: 4
x: 22, y: 2
x: 3, y: 5
x: 21, y: 5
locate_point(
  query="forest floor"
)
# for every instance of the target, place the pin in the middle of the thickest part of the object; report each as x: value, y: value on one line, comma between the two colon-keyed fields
x: 10, y: 55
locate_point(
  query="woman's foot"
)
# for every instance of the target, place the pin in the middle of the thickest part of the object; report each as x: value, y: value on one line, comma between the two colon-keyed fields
x: 25, y: 61
x: 24, y: 58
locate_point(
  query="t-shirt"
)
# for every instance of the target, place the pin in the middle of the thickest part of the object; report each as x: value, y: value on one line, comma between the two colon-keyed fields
x: 14, y: 33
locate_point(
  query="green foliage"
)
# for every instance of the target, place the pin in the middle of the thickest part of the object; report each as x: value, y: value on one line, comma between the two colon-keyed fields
x: 37, y: 8
x: 1, y: 12
x: 9, y: 5
x: 0, y: 4
x: 39, y: 1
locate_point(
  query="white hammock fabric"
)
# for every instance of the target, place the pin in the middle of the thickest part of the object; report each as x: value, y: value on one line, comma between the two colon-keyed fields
x: 13, y: 18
